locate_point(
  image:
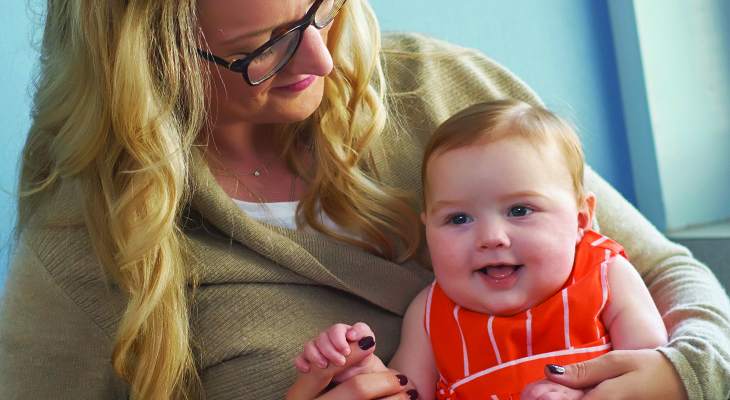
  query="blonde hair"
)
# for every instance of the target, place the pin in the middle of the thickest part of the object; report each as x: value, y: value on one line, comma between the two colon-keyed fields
x: 345, y: 135
x: 488, y: 122
x: 118, y: 108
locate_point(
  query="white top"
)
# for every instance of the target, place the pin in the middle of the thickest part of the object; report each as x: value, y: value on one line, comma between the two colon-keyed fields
x: 283, y: 214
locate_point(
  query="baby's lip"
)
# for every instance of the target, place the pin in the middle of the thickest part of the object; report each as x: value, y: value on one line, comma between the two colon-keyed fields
x: 500, y: 271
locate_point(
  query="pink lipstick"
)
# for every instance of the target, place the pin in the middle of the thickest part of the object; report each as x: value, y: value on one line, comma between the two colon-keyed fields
x: 299, y: 86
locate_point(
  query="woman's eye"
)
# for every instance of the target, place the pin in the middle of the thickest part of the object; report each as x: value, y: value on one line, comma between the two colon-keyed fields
x: 460, y: 219
x: 519, y: 211
x: 264, y: 57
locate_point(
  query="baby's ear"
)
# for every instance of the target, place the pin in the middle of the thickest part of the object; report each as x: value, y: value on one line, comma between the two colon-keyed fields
x: 585, y: 214
x: 423, y: 218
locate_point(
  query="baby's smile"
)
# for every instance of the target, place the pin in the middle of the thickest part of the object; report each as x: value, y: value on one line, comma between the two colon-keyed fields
x: 500, y: 271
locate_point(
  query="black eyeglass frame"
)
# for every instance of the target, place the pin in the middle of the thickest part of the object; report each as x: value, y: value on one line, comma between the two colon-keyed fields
x: 241, y: 65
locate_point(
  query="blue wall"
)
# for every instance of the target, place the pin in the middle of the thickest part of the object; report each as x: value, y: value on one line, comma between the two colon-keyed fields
x: 17, y: 63
x: 563, y: 49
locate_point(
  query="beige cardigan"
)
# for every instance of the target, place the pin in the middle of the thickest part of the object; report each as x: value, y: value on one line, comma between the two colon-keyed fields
x: 264, y: 291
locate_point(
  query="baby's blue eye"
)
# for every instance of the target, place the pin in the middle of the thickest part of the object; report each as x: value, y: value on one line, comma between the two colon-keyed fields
x: 460, y: 219
x: 519, y: 211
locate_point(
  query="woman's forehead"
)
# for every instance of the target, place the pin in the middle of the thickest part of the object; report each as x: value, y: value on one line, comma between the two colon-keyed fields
x: 226, y: 21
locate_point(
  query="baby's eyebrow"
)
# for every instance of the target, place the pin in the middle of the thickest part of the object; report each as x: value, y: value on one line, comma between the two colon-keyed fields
x: 443, y: 204
x: 521, y: 194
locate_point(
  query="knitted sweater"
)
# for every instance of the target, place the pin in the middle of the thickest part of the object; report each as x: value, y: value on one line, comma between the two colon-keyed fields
x: 264, y: 291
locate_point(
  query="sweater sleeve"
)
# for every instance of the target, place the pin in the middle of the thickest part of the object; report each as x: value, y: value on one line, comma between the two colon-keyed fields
x: 49, y: 347
x: 693, y: 304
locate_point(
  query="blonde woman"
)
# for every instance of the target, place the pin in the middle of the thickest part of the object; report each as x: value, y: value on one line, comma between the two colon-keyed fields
x: 175, y: 143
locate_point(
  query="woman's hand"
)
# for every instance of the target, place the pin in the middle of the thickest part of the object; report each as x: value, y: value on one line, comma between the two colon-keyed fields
x: 377, y: 385
x: 623, y: 374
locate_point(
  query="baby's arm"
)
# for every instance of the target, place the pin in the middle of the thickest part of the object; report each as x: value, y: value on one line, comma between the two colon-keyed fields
x: 414, y: 357
x: 333, y: 345
x: 631, y: 317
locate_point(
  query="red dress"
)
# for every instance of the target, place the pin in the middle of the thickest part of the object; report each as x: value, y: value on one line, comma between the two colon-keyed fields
x: 486, y: 357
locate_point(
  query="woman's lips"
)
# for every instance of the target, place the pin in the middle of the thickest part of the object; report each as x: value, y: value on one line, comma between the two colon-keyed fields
x: 299, y: 86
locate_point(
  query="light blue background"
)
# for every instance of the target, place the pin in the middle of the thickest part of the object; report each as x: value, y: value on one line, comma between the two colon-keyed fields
x: 563, y: 49
x: 17, y: 63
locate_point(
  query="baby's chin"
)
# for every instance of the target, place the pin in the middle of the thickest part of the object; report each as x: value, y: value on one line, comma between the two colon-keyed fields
x: 498, y: 310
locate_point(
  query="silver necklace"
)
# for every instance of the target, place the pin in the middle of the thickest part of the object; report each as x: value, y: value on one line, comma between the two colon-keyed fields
x: 254, y: 173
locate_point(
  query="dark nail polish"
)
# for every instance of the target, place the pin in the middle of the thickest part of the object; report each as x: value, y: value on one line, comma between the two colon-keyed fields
x: 402, y: 379
x: 366, y: 342
x: 412, y: 394
x: 556, y: 369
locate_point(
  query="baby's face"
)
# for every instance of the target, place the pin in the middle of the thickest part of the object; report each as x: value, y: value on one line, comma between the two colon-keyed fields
x: 502, y: 223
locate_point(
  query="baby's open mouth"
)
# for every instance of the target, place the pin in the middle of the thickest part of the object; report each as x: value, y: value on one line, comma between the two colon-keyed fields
x: 500, y: 271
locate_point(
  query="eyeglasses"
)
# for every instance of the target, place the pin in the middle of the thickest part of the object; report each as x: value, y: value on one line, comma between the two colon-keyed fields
x: 262, y: 63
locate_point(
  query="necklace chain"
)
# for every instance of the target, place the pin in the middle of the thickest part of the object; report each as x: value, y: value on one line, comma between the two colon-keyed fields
x: 254, y: 173
x: 258, y: 172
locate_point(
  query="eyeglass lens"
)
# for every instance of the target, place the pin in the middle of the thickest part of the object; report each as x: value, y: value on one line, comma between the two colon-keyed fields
x: 275, y: 57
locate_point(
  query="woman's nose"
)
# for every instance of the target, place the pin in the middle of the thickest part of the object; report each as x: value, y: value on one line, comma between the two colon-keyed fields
x: 312, y: 57
x: 492, y: 235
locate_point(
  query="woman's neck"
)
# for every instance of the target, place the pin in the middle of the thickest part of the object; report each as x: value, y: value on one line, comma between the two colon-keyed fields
x: 245, y: 163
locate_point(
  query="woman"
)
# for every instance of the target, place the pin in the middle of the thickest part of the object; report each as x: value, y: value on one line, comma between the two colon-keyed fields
x: 135, y: 274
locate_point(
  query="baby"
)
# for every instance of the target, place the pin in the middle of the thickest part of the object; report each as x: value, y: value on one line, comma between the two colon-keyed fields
x: 521, y: 279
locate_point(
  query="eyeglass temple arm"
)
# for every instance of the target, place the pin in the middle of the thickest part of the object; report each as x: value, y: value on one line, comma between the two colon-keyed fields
x: 212, y: 58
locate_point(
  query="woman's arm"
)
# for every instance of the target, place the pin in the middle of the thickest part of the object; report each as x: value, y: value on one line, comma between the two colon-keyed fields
x: 693, y: 305
x: 49, y: 347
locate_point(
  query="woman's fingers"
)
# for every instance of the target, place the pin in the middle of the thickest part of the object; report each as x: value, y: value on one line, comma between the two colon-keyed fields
x: 310, y: 384
x: 376, y: 385
x: 623, y: 374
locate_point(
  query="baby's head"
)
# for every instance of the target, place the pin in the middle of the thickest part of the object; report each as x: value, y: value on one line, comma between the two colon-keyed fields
x: 489, y: 122
x: 505, y: 205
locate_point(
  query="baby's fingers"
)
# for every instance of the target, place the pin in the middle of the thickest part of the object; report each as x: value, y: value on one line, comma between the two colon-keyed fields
x: 327, y: 348
x: 309, y: 385
x: 301, y: 363
x: 313, y: 355
x: 336, y: 335
x: 359, y: 331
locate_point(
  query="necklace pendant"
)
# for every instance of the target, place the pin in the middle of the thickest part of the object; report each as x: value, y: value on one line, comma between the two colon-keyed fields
x: 256, y: 173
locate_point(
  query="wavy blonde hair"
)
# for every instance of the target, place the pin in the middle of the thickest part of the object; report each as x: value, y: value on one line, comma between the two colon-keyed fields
x: 118, y: 108
x: 345, y: 136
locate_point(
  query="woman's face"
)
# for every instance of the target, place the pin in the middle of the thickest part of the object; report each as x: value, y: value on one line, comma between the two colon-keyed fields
x: 233, y: 27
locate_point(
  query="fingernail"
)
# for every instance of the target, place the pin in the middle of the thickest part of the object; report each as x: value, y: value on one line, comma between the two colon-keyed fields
x: 366, y: 342
x: 402, y: 379
x: 412, y: 394
x: 556, y: 369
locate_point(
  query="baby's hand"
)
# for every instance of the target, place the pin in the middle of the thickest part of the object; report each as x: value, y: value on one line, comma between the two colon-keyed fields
x: 545, y: 389
x: 333, y: 346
